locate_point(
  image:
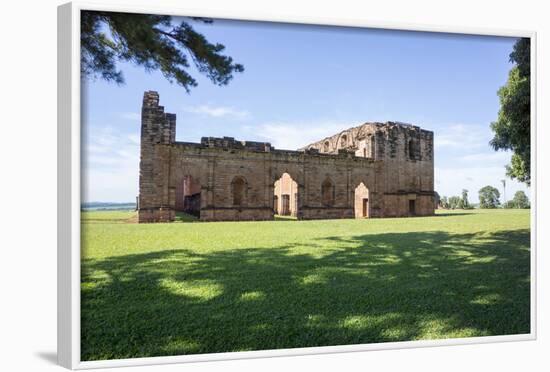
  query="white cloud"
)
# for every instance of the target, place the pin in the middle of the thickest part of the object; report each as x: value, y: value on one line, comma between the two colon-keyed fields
x: 465, y: 160
x: 217, y: 111
x: 500, y: 157
x: 450, y: 181
x: 110, y: 186
x: 462, y: 136
x: 110, y: 165
x: 470, y: 140
x: 291, y: 136
x: 134, y: 138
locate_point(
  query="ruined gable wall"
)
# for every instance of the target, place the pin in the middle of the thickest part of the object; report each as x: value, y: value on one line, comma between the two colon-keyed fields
x: 407, y: 173
x: 353, y: 139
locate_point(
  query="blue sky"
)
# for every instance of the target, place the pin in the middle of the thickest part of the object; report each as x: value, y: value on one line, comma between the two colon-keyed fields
x: 302, y: 83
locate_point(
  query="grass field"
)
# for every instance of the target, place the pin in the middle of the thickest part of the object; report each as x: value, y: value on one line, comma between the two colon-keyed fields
x: 187, y: 288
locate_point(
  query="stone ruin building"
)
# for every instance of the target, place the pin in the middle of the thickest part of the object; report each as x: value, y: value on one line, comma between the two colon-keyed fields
x: 372, y: 170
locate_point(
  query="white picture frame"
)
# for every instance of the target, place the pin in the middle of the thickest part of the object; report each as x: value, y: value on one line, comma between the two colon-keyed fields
x: 69, y: 140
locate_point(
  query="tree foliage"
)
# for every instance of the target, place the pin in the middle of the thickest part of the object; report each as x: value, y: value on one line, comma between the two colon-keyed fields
x: 454, y: 202
x: 464, y: 203
x: 489, y: 197
x: 520, y: 201
x: 153, y: 42
x: 444, y: 202
x: 512, y: 129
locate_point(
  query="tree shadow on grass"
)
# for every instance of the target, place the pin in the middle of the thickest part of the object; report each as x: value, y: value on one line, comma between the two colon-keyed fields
x: 351, y: 290
x: 452, y: 214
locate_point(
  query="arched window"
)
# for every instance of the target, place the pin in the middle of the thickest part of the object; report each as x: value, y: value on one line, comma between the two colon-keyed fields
x: 343, y: 141
x: 327, y: 192
x: 326, y: 146
x: 238, y: 189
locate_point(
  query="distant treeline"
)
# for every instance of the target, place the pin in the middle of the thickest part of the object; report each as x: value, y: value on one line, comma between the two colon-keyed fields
x: 95, y: 206
x: 489, y: 198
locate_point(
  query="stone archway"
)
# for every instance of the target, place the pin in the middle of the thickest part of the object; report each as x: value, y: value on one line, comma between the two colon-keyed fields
x: 188, y: 195
x: 285, y: 194
x: 362, y: 202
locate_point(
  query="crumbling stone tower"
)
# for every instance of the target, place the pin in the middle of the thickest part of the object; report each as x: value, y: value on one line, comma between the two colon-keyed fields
x: 158, y: 132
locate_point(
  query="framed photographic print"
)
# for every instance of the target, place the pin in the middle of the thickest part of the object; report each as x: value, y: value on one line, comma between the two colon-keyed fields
x: 235, y: 187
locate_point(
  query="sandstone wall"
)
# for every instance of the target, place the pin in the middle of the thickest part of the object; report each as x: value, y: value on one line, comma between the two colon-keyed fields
x: 406, y: 152
x: 215, y: 168
x: 235, y: 180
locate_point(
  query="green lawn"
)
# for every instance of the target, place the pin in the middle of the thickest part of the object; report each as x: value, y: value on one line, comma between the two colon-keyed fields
x: 187, y: 288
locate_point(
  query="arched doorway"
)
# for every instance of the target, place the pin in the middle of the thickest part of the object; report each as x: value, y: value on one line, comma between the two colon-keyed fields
x: 285, y: 198
x: 327, y: 193
x: 188, y: 196
x: 362, y: 202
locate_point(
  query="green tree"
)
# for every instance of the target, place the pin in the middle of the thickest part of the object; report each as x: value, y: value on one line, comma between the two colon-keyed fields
x: 512, y: 129
x: 153, y: 42
x: 454, y: 202
x: 444, y: 202
x: 464, y: 203
x: 489, y: 197
x: 520, y: 200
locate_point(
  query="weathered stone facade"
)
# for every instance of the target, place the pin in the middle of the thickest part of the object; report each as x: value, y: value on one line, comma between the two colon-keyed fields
x: 373, y: 170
